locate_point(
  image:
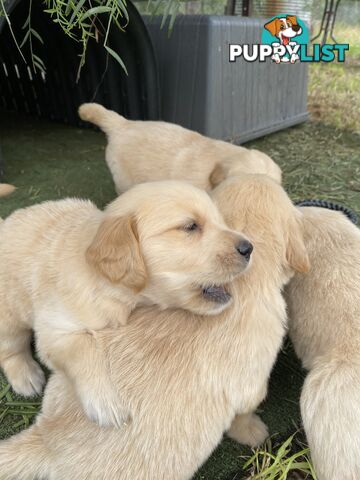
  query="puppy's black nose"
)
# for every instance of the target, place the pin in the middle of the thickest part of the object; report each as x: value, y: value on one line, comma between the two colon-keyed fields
x: 296, y: 28
x: 245, y: 248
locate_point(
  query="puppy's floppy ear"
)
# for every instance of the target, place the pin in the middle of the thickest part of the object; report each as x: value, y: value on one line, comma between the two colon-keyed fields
x: 218, y: 175
x: 296, y: 253
x: 292, y: 19
x: 272, y: 26
x: 115, y: 252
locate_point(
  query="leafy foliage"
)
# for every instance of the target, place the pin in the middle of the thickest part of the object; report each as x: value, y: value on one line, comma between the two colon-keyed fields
x: 82, y: 20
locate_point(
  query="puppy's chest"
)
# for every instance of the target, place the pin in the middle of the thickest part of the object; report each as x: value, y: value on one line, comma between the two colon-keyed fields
x: 257, y: 350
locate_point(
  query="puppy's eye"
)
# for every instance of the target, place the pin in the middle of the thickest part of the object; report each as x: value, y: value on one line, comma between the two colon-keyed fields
x: 191, y: 227
x: 282, y: 27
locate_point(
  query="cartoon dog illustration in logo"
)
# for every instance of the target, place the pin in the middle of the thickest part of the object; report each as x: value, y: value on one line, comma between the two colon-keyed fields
x: 285, y: 29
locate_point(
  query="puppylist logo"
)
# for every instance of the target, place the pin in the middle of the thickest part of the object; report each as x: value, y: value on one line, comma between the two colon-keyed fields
x: 285, y: 39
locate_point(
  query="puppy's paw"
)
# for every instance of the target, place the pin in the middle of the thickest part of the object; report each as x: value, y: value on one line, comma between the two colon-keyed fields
x: 25, y: 375
x: 105, y: 409
x: 248, y: 429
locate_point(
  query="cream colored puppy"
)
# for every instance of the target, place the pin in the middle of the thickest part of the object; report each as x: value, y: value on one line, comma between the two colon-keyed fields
x: 68, y: 270
x: 324, y: 324
x: 140, y: 151
x: 185, y: 377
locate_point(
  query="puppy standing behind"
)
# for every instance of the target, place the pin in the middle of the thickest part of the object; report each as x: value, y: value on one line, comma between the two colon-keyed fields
x: 324, y: 325
x: 140, y: 151
x: 68, y: 269
x: 185, y: 376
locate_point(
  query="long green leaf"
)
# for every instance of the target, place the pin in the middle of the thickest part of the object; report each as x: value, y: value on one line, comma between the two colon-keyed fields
x: 173, y: 16
x: 117, y: 58
x: 26, y: 36
x: 36, y: 35
x: 166, y: 13
x: 38, y: 60
x: 38, y: 66
x: 68, y: 7
x: 95, y: 11
x: 27, y: 21
x: 122, y: 6
x: 76, y: 11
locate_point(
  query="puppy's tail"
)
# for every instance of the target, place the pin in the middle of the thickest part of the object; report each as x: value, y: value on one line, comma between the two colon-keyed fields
x: 330, y: 408
x: 105, y: 119
x: 6, y: 189
x: 24, y: 456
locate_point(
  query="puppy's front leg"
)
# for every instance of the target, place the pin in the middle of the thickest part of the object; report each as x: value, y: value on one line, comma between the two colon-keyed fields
x: 63, y: 345
x: 248, y: 429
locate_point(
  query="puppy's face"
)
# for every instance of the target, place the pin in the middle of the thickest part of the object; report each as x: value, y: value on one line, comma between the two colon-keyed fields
x: 172, y: 245
x: 261, y: 208
x: 284, y: 28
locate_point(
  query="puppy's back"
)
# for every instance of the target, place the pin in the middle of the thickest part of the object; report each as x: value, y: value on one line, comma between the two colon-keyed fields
x: 324, y: 305
x: 34, y: 229
x: 324, y: 325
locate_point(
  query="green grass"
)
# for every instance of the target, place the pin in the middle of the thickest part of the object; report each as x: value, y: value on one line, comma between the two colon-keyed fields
x: 48, y: 161
x: 318, y: 161
x: 334, y: 89
x: 274, y: 461
x: 16, y: 413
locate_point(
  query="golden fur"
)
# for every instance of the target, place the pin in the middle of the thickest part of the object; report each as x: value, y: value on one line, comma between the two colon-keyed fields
x: 68, y: 270
x: 186, y: 378
x: 140, y: 151
x: 324, y: 325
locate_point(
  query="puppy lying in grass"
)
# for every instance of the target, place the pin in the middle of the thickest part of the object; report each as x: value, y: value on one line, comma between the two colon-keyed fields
x: 68, y: 270
x: 145, y: 151
x: 185, y: 377
x: 324, y: 324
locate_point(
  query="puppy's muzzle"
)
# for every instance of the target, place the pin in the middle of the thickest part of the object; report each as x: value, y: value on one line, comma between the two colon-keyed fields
x: 245, y: 248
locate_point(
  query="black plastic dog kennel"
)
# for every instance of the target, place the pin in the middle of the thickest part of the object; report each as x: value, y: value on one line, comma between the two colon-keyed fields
x: 56, y: 94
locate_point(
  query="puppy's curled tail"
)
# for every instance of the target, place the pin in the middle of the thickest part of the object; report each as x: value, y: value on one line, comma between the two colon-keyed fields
x: 6, y: 189
x: 330, y: 409
x: 105, y: 119
x: 24, y: 456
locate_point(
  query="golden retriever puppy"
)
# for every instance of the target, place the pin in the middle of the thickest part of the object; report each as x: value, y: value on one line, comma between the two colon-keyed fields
x: 140, y: 151
x: 324, y: 324
x: 68, y: 270
x: 185, y: 377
